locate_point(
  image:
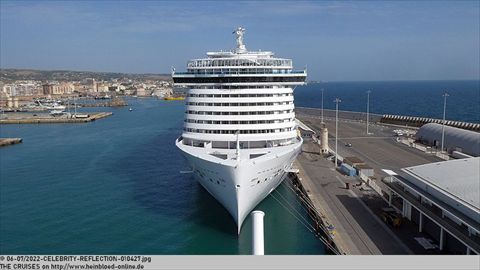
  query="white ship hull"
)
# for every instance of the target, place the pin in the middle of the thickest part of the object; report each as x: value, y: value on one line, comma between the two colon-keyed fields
x: 239, y: 134
x: 240, y: 185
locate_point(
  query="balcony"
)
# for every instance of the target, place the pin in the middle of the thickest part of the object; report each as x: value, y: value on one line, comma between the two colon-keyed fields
x: 239, y: 72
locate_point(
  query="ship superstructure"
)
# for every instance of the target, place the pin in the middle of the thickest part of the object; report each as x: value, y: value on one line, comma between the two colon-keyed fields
x: 239, y: 133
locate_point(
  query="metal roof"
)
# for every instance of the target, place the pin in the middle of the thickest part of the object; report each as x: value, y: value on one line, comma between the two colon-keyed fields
x: 468, y: 141
x: 458, y: 179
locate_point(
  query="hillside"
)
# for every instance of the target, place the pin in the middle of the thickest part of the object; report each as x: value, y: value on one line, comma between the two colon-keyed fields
x: 8, y: 75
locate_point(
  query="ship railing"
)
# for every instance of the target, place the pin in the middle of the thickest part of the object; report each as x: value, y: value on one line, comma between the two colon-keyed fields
x: 241, y: 72
x: 240, y: 62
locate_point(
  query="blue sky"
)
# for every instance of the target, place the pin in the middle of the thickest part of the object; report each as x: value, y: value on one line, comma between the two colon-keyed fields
x: 337, y: 41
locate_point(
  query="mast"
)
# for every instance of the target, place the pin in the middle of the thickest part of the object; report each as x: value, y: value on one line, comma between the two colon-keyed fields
x: 240, y: 31
x: 238, y: 146
x: 75, y: 104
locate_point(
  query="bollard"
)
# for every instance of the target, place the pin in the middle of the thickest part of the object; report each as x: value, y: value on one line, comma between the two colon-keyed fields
x: 257, y: 232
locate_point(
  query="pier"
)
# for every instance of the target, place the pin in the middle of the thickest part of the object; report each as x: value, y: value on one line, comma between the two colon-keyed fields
x: 355, y: 229
x: 114, y: 102
x: 352, y: 207
x: 44, y: 118
x: 10, y: 141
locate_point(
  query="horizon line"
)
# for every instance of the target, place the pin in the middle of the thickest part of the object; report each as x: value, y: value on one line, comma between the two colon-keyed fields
x: 311, y: 81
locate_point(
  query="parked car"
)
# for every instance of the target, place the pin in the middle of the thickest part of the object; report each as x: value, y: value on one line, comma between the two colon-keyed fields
x: 348, y: 145
x: 391, y: 217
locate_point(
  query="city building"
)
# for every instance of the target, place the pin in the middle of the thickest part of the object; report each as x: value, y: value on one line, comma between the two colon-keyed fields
x: 22, y: 88
x: 58, y: 88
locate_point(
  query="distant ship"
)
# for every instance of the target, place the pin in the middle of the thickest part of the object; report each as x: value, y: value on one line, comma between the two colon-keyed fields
x: 240, y: 134
x: 106, y: 96
x: 51, y: 106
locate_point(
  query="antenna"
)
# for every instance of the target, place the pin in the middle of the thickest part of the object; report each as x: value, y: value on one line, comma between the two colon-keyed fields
x: 240, y: 31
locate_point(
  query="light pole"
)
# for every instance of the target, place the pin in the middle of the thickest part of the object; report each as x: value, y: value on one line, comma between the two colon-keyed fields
x: 368, y: 107
x: 337, y: 100
x: 322, y: 104
x: 445, y: 95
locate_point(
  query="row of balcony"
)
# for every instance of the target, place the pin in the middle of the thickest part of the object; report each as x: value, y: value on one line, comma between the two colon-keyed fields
x: 239, y: 71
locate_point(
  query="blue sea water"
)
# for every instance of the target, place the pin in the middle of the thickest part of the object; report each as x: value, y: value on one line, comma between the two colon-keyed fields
x: 114, y: 186
x: 413, y: 98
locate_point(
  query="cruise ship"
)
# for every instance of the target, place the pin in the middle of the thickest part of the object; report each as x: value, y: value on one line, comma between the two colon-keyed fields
x: 240, y: 136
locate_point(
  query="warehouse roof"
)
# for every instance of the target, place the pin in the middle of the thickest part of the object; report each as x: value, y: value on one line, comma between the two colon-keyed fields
x: 458, y: 179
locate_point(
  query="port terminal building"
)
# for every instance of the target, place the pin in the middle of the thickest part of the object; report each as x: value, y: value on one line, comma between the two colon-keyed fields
x: 443, y: 199
x: 455, y: 139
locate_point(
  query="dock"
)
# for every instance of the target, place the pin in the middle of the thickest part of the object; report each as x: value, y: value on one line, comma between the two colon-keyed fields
x: 47, y: 119
x: 115, y: 102
x: 353, y: 212
x: 10, y: 141
x: 356, y: 229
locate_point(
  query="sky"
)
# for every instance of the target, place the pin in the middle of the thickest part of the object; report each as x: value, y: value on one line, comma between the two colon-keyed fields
x: 336, y: 41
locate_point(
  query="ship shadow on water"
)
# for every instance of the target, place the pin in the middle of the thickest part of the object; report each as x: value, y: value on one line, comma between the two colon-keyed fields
x: 210, y: 213
x: 154, y: 171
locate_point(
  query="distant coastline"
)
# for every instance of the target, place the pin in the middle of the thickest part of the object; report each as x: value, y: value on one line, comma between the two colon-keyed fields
x: 15, y: 74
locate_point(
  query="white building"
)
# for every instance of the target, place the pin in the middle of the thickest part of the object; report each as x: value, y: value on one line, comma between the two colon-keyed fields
x: 443, y: 198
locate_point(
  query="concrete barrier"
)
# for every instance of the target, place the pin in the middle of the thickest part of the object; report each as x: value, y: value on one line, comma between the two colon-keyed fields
x: 419, y: 121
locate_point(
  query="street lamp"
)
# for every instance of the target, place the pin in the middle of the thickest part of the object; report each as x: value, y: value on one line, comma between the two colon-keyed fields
x: 368, y: 107
x: 445, y: 95
x: 322, y: 104
x: 337, y: 100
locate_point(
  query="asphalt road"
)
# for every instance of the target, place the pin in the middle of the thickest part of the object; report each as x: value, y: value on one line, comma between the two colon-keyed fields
x: 379, y: 149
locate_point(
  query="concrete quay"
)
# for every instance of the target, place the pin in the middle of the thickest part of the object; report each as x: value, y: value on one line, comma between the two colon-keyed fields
x: 357, y: 230
x: 356, y: 213
x: 29, y: 118
x: 115, y: 102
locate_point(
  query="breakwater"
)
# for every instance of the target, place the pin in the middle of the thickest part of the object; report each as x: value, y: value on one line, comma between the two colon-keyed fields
x: 401, y: 120
x: 31, y: 119
x: 420, y: 121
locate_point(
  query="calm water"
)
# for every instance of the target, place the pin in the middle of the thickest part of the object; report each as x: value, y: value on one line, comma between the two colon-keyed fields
x: 114, y: 187
x: 415, y: 98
